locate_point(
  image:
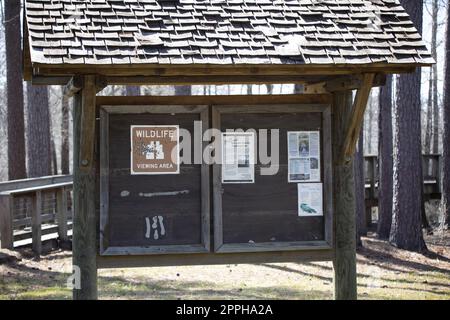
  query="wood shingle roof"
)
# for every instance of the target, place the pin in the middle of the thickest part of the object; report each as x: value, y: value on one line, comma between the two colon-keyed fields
x: 177, y: 32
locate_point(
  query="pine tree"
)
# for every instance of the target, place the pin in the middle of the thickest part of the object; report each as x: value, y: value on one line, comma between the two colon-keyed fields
x: 16, y: 125
x: 406, y: 229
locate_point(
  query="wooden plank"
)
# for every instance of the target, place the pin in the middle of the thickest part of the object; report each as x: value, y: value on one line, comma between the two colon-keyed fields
x: 87, y: 137
x: 104, y: 180
x: 36, y: 222
x: 172, y: 249
x: 439, y: 166
x: 46, y: 229
x: 61, y: 213
x: 205, y: 184
x: 6, y: 221
x: 372, y: 175
x: 209, y: 80
x: 138, y: 109
x: 274, y: 246
x: 47, y: 187
x: 34, y: 182
x: 272, y: 108
x: 241, y: 108
x: 315, y: 88
x: 26, y: 55
x: 344, y: 204
x: 217, y: 100
x: 50, y: 81
x: 328, y: 175
x: 194, y: 259
x: 357, y: 116
x: 17, y: 223
x: 84, y: 213
x: 164, y: 70
x: 217, y: 187
x: 353, y: 83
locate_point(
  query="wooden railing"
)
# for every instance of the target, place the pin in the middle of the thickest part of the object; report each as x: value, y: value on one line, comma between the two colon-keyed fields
x: 34, y: 209
x: 431, y: 166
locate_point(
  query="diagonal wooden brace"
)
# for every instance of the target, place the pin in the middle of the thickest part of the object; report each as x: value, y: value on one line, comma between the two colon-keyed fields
x: 357, y: 116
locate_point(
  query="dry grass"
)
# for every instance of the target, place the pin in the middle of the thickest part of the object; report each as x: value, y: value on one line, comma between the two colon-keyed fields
x: 384, y: 272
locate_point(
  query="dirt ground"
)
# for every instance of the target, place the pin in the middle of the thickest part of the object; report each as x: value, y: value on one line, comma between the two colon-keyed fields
x: 384, y: 272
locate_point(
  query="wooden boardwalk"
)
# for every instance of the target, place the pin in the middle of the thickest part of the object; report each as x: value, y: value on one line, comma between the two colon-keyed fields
x: 432, y: 168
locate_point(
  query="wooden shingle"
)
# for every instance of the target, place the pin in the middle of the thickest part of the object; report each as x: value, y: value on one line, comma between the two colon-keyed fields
x: 222, y: 32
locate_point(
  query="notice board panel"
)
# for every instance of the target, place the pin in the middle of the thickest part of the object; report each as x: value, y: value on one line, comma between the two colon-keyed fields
x: 166, y: 210
x: 264, y: 215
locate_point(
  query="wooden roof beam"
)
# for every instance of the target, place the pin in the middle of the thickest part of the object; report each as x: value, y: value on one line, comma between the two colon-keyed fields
x: 344, y: 84
x: 164, y: 70
x: 208, y: 80
x: 354, y: 83
x: 357, y: 116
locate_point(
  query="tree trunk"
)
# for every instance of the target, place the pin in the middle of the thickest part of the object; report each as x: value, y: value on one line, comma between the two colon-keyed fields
x: 65, y: 162
x: 360, y: 205
x: 406, y: 229
x: 445, y: 205
x: 133, y: 90
x: 385, y: 161
x: 435, y: 146
x: 429, y: 120
x: 38, y: 132
x: 16, y: 126
x: 183, y: 90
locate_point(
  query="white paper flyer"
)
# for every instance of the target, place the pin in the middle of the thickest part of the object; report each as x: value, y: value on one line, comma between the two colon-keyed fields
x: 304, y: 156
x: 238, y: 157
x: 310, y: 199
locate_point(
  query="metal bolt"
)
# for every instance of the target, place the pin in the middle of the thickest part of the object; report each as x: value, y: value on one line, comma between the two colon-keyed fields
x: 84, y: 162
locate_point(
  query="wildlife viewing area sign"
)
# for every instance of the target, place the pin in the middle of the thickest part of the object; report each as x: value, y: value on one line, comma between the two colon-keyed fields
x: 154, y: 150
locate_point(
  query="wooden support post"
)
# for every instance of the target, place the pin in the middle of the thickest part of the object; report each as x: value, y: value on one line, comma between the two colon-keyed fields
x: 355, y: 121
x: 344, y: 204
x: 439, y: 173
x: 61, y: 213
x: 84, y: 168
x: 36, y: 223
x: 6, y: 222
x: 368, y: 213
x: 373, y: 177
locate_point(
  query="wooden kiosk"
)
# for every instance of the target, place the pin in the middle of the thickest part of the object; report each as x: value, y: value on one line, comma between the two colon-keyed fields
x: 128, y: 212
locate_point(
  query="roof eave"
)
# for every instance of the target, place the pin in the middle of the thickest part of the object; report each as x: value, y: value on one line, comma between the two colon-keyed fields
x: 253, y: 70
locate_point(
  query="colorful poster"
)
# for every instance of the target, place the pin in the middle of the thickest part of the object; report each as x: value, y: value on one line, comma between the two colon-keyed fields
x: 304, y: 156
x: 238, y: 157
x: 155, y: 149
x: 310, y: 199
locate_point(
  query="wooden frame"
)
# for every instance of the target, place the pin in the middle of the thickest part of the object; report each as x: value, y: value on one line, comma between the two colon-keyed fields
x: 195, y: 259
x: 124, y: 105
x: 105, y: 249
x: 327, y: 243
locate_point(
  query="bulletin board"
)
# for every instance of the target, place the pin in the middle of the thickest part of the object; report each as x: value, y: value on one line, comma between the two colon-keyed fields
x: 290, y: 210
x: 150, y: 202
